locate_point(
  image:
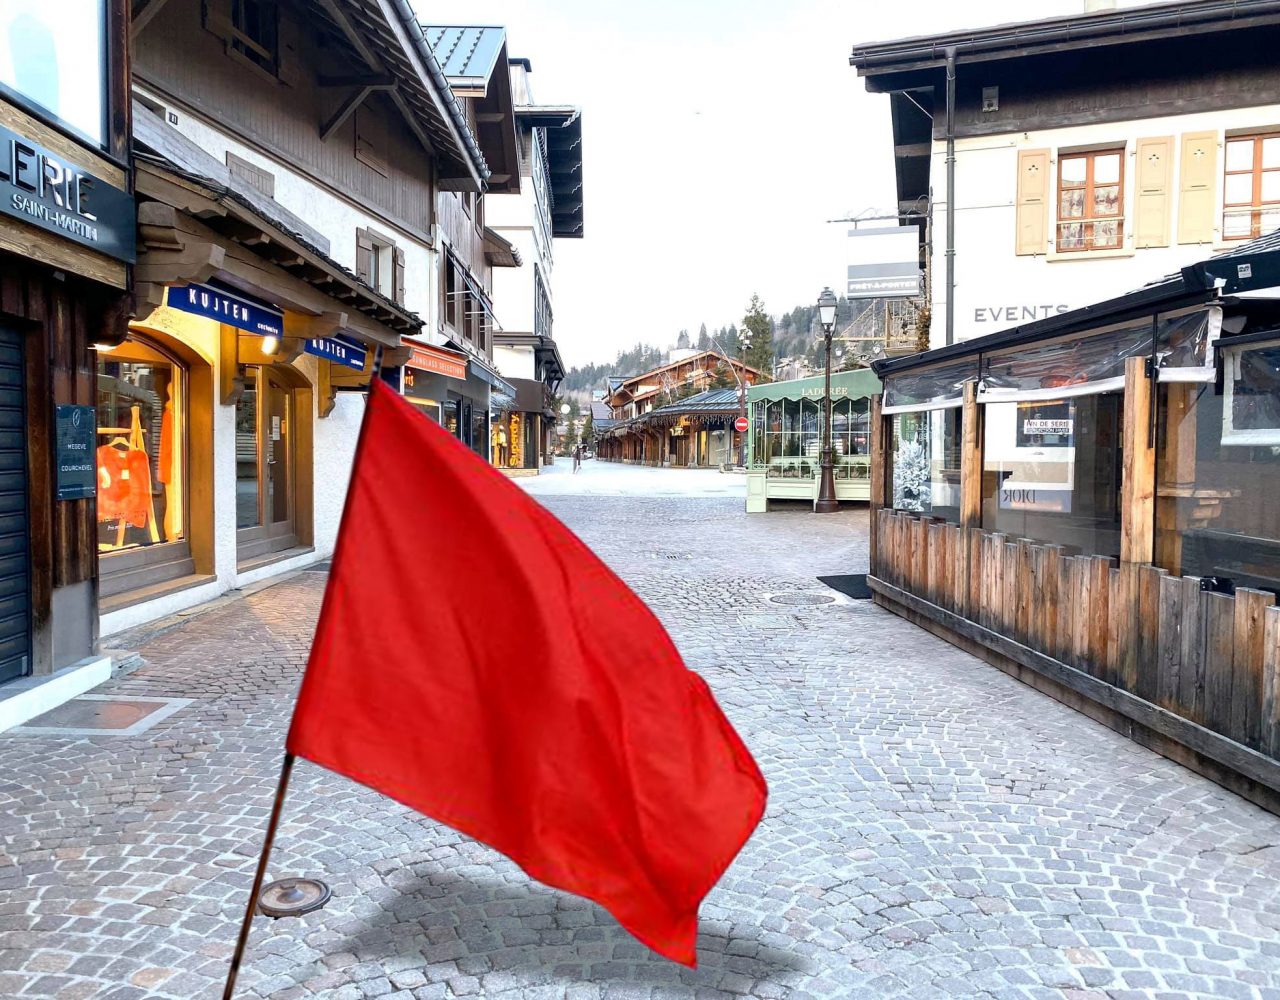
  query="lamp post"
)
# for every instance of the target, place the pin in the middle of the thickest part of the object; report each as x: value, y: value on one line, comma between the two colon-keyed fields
x: 826, y: 502
x: 744, y: 345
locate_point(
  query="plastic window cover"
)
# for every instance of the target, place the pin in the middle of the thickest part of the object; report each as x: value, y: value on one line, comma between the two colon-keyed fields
x: 1072, y: 366
x: 1251, y: 391
x: 1184, y: 345
x: 937, y: 388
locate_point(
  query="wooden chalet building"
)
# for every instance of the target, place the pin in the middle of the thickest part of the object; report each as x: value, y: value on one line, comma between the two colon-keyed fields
x: 635, y: 395
x: 693, y: 432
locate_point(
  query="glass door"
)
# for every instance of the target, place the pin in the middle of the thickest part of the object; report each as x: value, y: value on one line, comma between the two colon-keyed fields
x: 264, y: 466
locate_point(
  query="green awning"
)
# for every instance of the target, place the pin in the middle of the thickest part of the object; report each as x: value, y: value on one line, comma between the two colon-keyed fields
x: 857, y: 383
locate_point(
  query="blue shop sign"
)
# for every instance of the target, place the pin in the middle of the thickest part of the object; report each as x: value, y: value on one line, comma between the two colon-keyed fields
x: 214, y: 303
x: 340, y: 350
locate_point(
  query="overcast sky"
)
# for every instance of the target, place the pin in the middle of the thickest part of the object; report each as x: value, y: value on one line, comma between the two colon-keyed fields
x: 718, y: 137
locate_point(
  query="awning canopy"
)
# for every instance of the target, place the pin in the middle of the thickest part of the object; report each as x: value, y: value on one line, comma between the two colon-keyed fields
x: 491, y: 377
x: 857, y: 383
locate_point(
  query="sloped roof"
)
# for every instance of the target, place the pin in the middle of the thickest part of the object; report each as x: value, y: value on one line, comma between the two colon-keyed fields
x: 467, y: 54
x: 713, y: 400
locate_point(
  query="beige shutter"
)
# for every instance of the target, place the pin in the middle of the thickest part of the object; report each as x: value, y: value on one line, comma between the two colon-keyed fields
x: 397, y: 268
x: 364, y: 255
x: 1154, y: 182
x: 1198, y: 187
x: 1033, y: 201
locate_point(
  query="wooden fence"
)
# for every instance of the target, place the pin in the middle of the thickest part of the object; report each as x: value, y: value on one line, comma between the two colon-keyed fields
x: 1208, y: 658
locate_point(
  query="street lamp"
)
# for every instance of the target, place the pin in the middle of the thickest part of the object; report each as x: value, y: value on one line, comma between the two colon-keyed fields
x: 744, y: 345
x: 826, y: 502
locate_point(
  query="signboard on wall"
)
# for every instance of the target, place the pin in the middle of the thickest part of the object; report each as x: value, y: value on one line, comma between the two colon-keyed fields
x: 223, y: 306
x: 1046, y: 425
x: 75, y: 448
x: 428, y: 359
x: 340, y: 350
x: 884, y: 263
x: 49, y: 191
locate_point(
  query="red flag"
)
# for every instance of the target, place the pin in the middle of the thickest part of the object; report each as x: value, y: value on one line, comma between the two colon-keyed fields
x: 475, y: 661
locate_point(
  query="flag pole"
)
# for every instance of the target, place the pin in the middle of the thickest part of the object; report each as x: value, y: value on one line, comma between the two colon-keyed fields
x: 258, y: 876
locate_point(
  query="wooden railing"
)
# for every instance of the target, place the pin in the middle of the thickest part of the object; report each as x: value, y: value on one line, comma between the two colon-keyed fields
x: 1209, y: 658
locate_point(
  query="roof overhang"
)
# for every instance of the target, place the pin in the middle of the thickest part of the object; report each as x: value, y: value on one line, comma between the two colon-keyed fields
x: 563, y: 130
x: 499, y: 251
x: 916, y: 61
x: 385, y: 37
x: 474, y: 61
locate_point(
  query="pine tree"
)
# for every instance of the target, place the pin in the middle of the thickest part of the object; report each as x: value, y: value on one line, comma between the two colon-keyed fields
x: 704, y: 338
x: 760, y: 356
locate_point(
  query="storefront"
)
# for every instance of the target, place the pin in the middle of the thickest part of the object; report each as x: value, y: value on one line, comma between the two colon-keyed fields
x: 785, y: 438
x: 228, y: 414
x: 67, y: 242
x: 1087, y: 501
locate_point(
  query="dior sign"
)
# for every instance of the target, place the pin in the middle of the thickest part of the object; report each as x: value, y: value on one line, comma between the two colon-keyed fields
x: 41, y: 188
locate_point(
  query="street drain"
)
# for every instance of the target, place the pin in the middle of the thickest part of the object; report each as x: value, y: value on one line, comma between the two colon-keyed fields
x: 103, y: 715
x: 801, y: 600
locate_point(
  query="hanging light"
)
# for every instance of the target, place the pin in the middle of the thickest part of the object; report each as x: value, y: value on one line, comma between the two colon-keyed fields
x: 270, y: 344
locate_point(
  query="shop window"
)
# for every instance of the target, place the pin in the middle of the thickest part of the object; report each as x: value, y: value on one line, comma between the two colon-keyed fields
x: 1216, y: 513
x: 1251, y: 186
x: 1091, y: 200
x: 1051, y: 471
x: 926, y: 462
x: 787, y: 437
x: 141, y: 456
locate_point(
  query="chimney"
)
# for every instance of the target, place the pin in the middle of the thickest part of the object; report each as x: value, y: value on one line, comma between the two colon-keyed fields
x: 1095, y: 6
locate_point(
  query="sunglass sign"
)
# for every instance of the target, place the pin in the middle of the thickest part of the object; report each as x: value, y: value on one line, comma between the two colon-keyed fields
x: 46, y: 190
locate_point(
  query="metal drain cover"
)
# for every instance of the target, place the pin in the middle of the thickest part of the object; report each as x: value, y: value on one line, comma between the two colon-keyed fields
x: 802, y: 599
x: 292, y: 897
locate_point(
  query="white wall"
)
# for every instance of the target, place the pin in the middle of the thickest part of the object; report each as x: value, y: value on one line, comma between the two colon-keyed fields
x: 996, y: 289
x: 515, y: 362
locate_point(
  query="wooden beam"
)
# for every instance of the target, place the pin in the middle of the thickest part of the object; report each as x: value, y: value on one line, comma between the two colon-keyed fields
x: 143, y: 15
x: 345, y: 110
x: 306, y: 327
x: 1138, y: 487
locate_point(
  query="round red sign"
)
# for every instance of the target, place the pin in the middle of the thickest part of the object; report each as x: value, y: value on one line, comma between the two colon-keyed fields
x: 740, y: 425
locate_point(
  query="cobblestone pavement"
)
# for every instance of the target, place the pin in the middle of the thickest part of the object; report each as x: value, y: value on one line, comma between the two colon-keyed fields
x: 935, y: 829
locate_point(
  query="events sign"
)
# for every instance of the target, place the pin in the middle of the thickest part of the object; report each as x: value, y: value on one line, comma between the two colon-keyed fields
x: 215, y: 303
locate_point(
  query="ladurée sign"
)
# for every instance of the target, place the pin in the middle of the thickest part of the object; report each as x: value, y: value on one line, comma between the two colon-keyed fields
x: 46, y: 190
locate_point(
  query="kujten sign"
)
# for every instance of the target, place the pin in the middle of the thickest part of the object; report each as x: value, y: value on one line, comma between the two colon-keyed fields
x: 340, y: 350
x: 214, y: 303
x: 46, y: 190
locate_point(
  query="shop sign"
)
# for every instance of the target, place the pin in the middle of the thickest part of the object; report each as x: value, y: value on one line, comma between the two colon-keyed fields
x: 45, y: 190
x: 340, y: 350
x: 214, y: 303
x: 440, y: 362
x: 75, y: 436
x: 1046, y: 425
x: 1031, y: 498
x: 884, y: 263
x: 837, y: 392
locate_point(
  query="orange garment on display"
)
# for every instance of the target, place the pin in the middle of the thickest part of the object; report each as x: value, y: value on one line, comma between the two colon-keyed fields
x: 124, y: 485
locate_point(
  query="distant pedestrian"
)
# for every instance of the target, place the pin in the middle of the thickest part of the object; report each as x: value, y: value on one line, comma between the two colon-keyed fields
x: 577, y: 457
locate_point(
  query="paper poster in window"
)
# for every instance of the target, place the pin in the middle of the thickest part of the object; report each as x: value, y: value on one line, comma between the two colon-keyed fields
x: 1046, y: 425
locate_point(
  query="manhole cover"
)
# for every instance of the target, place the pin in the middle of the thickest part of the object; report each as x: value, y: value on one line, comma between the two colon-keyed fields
x: 802, y: 599
x: 292, y: 897
x: 103, y: 715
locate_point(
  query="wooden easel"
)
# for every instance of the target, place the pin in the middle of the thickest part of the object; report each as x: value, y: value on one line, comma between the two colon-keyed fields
x: 134, y: 442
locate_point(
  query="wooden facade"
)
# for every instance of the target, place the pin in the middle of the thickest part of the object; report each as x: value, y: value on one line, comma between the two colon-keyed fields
x: 1188, y: 665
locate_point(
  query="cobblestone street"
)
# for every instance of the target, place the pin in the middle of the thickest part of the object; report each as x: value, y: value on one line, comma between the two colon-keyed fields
x: 935, y: 829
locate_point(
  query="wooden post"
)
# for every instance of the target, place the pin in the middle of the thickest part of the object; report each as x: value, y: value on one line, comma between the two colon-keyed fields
x: 970, y: 459
x: 1138, y: 490
x: 879, y: 475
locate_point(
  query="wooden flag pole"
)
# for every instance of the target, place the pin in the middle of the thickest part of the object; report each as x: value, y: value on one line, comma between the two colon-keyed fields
x: 258, y: 876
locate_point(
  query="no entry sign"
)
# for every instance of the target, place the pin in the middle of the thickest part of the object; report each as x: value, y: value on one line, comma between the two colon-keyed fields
x: 740, y: 425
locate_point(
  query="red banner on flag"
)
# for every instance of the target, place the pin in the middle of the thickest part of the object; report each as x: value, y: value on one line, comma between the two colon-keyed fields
x: 513, y: 688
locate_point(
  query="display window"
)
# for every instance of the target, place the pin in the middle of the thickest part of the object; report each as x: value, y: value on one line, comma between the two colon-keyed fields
x: 926, y: 462
x: 787, y: 441
x: 141, y: 452
x: 266, y: 509
x: 1051, y: 471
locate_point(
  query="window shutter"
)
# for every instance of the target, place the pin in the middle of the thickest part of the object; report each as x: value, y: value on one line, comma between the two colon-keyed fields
x: 398, y: 275
x: 1033, y: 202
x: 364, y: 255
x: 1197, y: 189
x: 1154, y: 179
x: 217, y: 18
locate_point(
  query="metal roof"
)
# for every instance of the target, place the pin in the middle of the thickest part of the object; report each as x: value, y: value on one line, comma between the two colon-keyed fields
x: 467, y: 54
x: 1251, y: 267
x: 713, y: 400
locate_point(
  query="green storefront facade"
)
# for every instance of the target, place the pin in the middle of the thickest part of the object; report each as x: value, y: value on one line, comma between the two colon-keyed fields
x: 784, y: 441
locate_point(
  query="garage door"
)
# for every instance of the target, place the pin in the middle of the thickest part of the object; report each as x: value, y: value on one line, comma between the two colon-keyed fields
x: 15, y: 563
